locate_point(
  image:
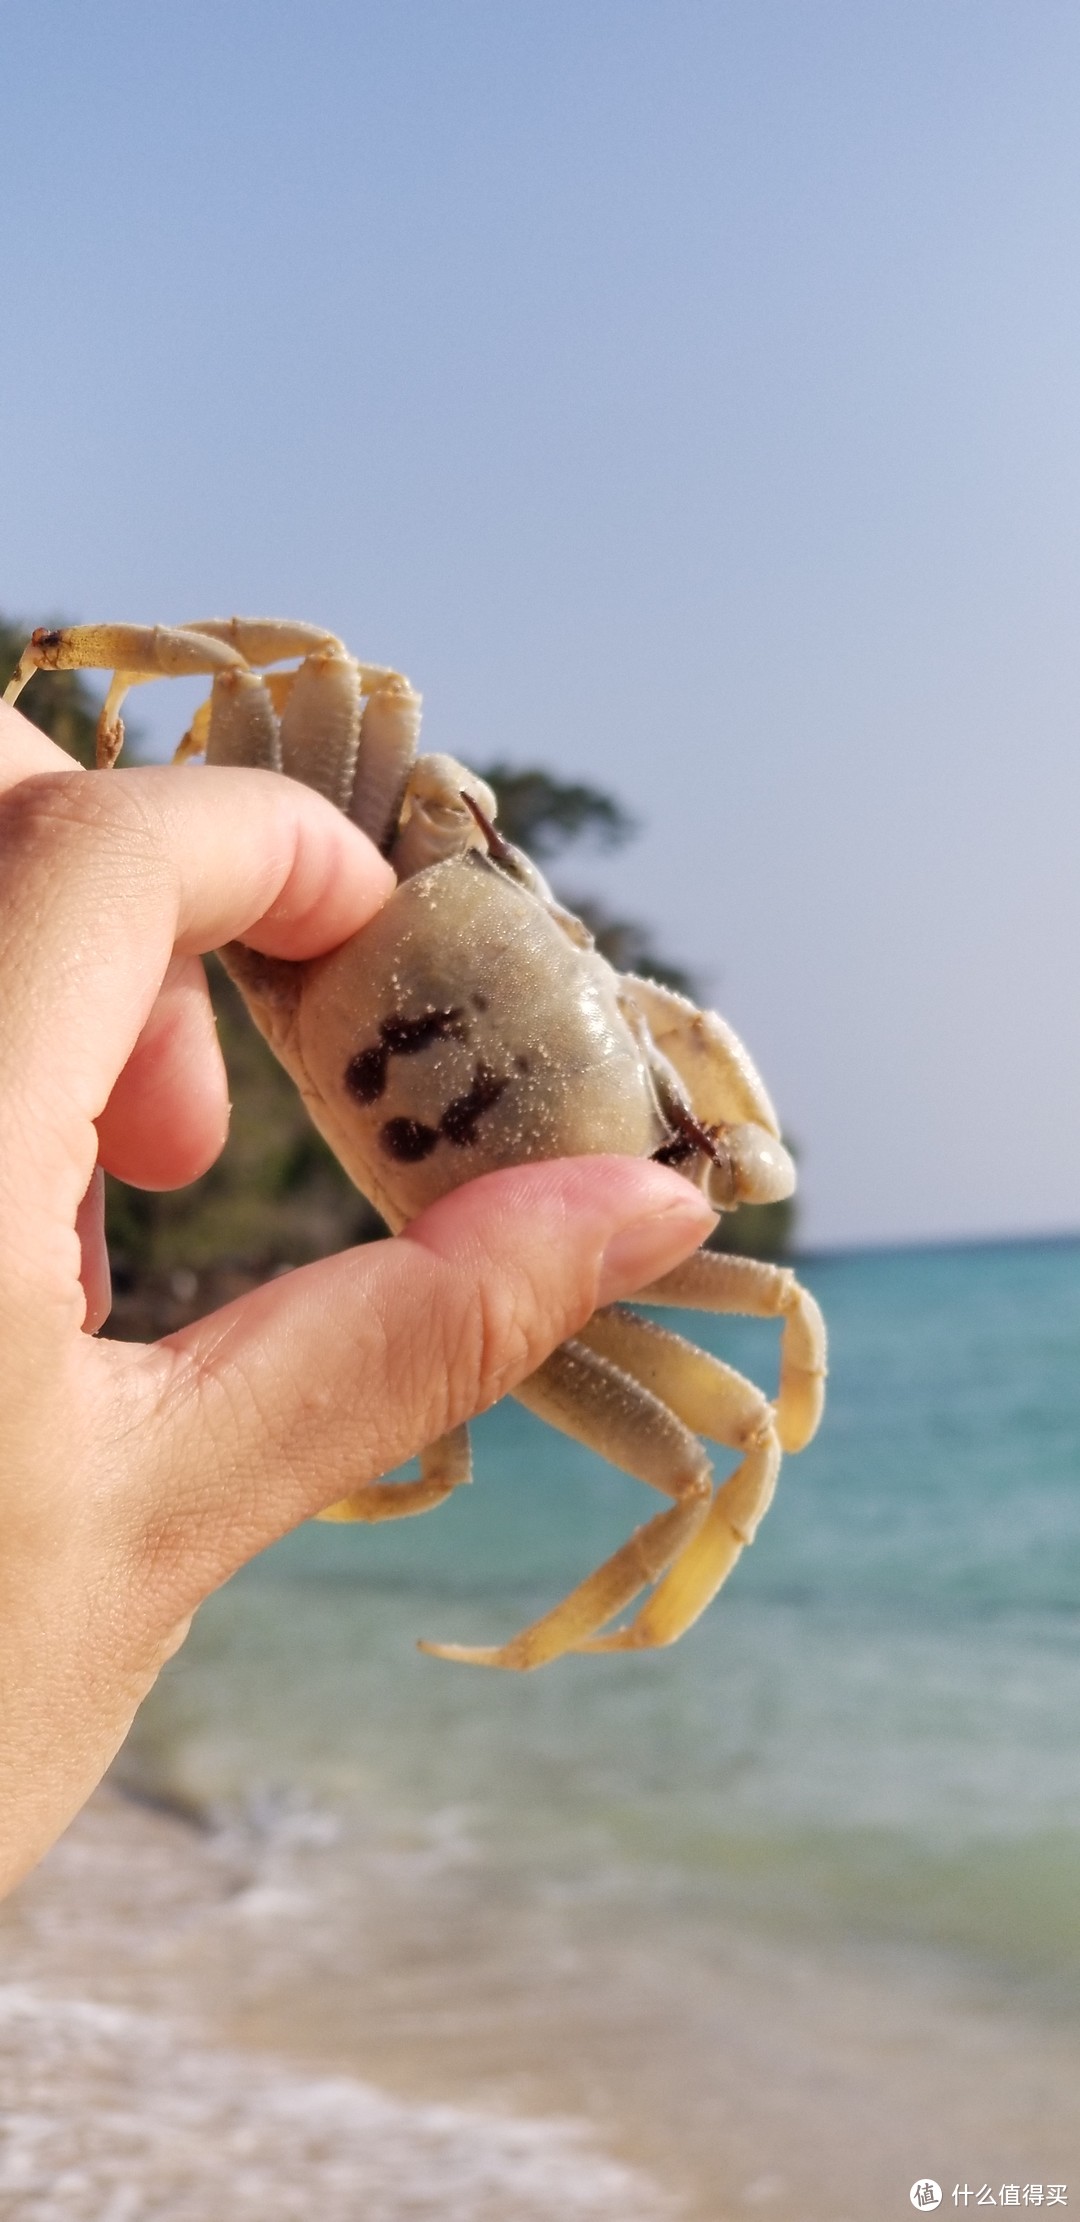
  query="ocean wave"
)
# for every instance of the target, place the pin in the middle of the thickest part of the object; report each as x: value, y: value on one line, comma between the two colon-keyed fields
x: 117, y: 2116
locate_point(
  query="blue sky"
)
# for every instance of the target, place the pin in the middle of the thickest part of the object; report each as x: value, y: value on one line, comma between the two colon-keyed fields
x: 685, y: 396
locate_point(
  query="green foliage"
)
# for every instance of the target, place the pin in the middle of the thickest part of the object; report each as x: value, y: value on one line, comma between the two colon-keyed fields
x: 276, y: 1196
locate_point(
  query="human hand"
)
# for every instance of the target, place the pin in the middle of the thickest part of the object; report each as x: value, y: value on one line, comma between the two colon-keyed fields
x: 134, y: 1480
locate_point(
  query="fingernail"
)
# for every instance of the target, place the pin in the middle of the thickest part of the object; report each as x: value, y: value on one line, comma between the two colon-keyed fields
x: 649, y: 1247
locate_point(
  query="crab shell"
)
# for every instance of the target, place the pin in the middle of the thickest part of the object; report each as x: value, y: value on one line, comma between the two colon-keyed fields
x: 461, y: 1032
x: 466, y: 1030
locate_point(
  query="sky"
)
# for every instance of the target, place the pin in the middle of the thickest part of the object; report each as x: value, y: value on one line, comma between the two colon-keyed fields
x: 685, y: 394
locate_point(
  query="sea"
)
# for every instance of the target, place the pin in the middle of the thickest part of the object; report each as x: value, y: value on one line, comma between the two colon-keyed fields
x: 781, y: 1922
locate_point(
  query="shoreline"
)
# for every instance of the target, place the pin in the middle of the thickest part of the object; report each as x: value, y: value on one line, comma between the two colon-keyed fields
x: 180, y: 2008
x: 118, y: 2077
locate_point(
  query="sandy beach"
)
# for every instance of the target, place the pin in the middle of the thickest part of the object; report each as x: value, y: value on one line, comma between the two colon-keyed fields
x: 166, y: 2053
x: 124, y: 2093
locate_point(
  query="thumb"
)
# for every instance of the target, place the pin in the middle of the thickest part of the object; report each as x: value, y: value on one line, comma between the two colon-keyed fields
x: 300, y: 1393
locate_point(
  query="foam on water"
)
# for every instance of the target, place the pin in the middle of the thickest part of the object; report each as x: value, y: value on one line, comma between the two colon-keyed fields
x: 118, y: 2118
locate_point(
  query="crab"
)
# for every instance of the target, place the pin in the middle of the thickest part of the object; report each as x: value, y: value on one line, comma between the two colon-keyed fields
x: 473, y: 1024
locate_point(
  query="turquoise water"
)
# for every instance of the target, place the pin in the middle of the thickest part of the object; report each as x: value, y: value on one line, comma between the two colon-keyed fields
x: 870, y: 1746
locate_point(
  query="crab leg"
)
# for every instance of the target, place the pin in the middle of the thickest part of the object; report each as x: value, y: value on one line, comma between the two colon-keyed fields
x: 146, y: 651
x: 444, y: 1466
x: 272, y: 640
x: 132, y: 652
x: 713, y: 1282
x: 593, y: 1400
x: 718, y: 1073
x: 713, y: 1400
x: 709, y: 1397
x: 361, y: 762
x: 360, y: 759
x: 266, y: 640
x: 716, y: 1401
x: 318, y: 705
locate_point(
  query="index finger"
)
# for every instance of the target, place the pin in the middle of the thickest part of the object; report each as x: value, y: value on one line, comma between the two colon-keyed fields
x: 104, y: 875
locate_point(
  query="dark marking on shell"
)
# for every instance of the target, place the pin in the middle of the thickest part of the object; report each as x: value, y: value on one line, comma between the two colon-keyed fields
x: 458, y: 1122
x: 408, y: 1140
x: 405, y: 1036
x: 411, y: 1140
x: 523, y: 1064
x: 366, y: 1073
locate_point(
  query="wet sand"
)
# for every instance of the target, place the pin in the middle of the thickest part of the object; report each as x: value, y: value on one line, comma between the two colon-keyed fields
x: 123, y: 2096
x: 191, y: 2025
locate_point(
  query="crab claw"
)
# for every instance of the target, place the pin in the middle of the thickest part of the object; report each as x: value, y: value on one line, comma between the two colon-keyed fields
x: 749, y: 1166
